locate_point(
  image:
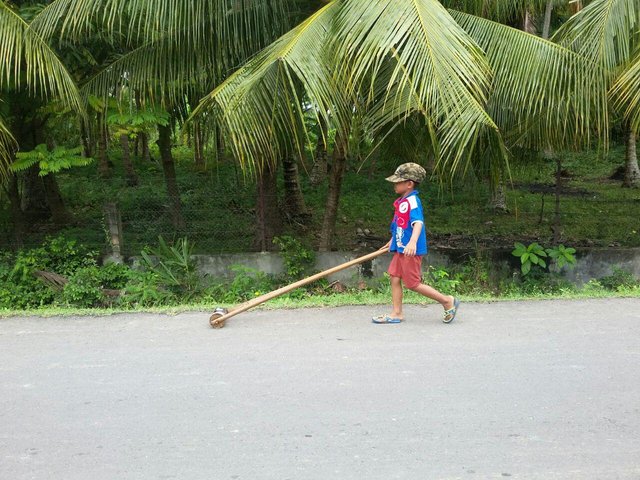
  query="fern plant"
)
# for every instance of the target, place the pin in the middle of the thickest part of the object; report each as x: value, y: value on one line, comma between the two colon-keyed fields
x: 50, y: 161
x: 133, y: 123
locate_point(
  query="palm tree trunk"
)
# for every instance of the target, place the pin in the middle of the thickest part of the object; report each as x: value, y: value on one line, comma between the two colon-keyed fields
x: 143, y: 137
x: 631, y: 171
x: 547, y: 20
x: 136, y: 146
x: 169, y: 169
x: 294, y: 205
x: 268, y: 219
x: 198, y: 147
x: 34, y: 199
x: 220, y: 144
x: 87, y: 146
x: 319, y: 169
x: 556, y: 228
x: 59, y: 213
x: 333, y: 197
x: 144, y: 142
x: 28, y: 134
x: 527, y: 24
x: 499, y: 198
x: 17, y: 215
x: 132, y: 178
x: 104, y: 169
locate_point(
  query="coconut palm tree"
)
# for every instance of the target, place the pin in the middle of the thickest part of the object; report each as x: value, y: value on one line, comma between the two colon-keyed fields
x: 626, y: 93
x: 478, y: 86
x: 167, y: 52
x: 607, y: 33
x: 29, y: 63
x: 164, y: 51
x: 31, y: 74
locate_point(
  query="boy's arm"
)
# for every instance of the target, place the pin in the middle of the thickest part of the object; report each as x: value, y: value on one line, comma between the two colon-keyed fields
x: 410, y: 249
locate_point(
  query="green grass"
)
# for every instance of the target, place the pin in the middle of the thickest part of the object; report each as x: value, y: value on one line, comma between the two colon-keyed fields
x: 338, y: 300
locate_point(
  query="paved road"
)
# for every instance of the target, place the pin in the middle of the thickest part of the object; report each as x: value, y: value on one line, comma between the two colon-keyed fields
x: 530, y: 390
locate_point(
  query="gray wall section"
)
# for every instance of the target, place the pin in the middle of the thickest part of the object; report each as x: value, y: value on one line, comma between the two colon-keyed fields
x: 598, y: 263
x: 594, y: 263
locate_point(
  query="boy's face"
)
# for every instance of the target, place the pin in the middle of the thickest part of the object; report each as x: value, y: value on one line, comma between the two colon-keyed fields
x: 402, y: 188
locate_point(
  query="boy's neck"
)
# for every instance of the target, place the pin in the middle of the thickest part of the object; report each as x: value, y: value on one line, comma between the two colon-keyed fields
x: 408, y: 193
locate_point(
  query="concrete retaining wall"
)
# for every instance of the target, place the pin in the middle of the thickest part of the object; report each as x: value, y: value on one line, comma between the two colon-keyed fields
x: 593, y: 263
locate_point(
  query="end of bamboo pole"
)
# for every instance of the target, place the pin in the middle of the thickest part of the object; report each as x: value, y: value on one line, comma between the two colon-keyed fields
x: 217, y: 320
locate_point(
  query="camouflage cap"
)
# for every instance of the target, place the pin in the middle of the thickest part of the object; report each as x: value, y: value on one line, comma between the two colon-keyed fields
x: 408, y: 171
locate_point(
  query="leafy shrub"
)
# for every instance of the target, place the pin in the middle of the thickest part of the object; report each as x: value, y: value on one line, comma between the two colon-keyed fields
x: 474, y: 276
x: 115, y: 275
x: 441, y: 280
x: 20, y: 289
x: 59, y: 255
x: 298, y: 259
x: 592, y: 286
x: 174, y: 268
x: 620, y: 279
x: 144, y: 290
x: 85, y: 287
x: 533, y: 256
x: 247, y: 283
x: 24, y: 294
x: 530, y: 256
x: 562, y: 256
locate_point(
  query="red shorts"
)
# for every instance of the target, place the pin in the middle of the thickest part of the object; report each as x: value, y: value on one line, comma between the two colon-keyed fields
x: 409, y: 269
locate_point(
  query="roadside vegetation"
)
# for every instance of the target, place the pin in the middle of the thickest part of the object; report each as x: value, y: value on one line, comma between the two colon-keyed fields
x: 166, y: 278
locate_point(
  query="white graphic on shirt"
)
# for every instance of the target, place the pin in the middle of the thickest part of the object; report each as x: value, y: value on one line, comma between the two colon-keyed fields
x: 404, y: 206
x: 399, y: 235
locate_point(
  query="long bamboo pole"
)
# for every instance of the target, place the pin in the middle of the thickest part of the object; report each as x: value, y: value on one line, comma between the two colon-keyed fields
x: 219, y: 318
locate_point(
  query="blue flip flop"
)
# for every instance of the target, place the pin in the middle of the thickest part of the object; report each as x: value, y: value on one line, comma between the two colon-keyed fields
x: 450, y: 314
x: 385, y: 319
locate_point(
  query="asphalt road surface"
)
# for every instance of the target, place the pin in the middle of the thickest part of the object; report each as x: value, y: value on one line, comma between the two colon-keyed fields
x: 530, y: 390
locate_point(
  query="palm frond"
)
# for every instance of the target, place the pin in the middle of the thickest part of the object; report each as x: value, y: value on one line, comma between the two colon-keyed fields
x: 26, y: 57
x: 243, y: 25
x: 625, y: 93
x: 605, y: 32
x: 497, y: 10
x: 543, y: 95
x: 259, y: 107
x: 429, y: 64
x: 7, y: 149
x: 152, y: 69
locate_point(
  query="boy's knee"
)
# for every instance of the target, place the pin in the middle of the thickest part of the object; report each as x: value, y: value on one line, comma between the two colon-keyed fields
x: 412, y: 285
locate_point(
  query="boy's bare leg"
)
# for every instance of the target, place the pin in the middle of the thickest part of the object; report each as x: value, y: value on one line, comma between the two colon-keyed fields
x: 445, y: 300
x: 396, y: 297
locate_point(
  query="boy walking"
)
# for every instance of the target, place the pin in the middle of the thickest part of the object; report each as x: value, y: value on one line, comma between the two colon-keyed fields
x: 408, y: 244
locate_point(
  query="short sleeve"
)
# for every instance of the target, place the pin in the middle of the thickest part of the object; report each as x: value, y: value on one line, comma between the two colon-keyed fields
x: 416, y: 210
